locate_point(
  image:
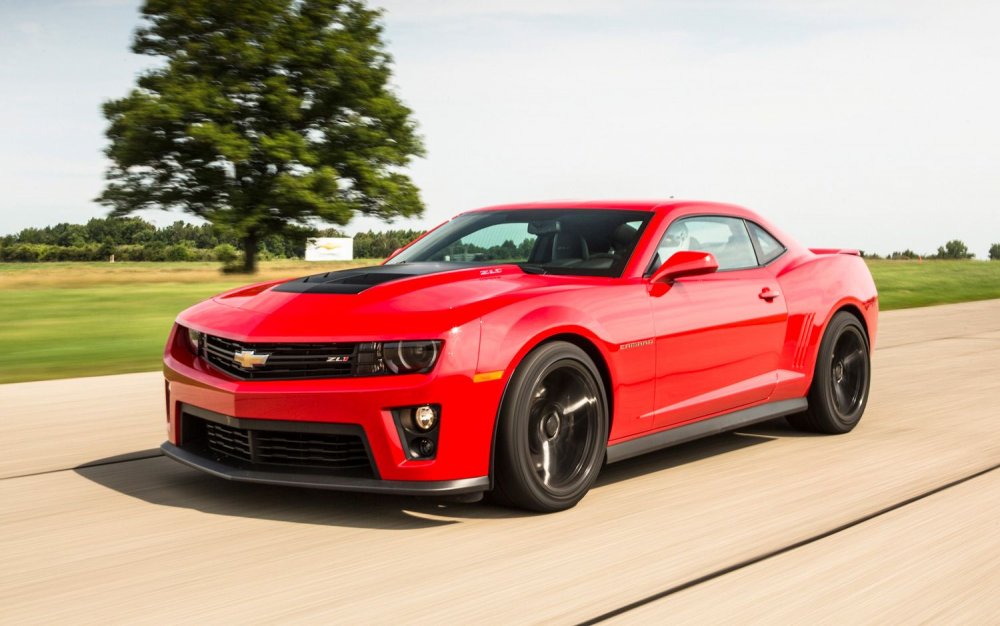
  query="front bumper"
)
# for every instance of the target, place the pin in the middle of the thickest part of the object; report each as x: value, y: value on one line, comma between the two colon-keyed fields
x: 321, y: 481
x: 461, y: 463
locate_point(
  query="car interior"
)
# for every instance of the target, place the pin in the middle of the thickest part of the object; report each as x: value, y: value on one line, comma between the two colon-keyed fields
x: 565, y: 247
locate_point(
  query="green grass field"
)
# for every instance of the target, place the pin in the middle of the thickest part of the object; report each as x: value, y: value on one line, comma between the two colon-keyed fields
x: 85, y: 319
x: 59, y: 320
x: 908, y: 284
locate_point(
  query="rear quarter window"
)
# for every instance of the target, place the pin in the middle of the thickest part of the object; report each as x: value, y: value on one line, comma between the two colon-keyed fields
x: 769, y: 247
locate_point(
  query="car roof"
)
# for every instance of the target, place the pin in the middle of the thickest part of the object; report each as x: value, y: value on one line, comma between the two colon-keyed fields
x: 664, y: 206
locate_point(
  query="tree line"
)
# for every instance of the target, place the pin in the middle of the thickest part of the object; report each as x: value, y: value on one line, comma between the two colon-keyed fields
x: 954, y: 250
x: 135, y: 239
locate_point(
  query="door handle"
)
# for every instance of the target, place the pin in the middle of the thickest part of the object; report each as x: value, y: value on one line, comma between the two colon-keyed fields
x: 767, y: 294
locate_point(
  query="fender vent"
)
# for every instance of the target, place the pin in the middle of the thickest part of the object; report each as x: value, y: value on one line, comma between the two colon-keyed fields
x: 802, y: 347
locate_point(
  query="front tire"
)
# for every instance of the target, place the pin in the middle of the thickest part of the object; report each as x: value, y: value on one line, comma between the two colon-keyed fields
x: 553, y: 430
x: 841, y: 380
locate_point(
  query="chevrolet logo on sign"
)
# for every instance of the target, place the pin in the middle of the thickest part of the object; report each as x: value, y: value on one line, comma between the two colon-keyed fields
x: 248, y: 360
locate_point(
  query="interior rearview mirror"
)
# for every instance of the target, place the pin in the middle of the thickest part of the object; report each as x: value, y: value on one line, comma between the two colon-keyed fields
x: 543, y: 227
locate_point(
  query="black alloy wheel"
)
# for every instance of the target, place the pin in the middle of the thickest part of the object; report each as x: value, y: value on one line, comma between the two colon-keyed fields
x: 841, y: 380
x: 553, y: 430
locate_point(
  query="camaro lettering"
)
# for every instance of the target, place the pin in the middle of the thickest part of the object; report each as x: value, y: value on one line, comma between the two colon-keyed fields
x: 247, y: 359
x: 338, y: 359
x: 490, y: 272
x: 635, y: 344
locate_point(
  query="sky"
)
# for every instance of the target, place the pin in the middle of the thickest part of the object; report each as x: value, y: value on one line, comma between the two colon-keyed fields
x: 861, y: 124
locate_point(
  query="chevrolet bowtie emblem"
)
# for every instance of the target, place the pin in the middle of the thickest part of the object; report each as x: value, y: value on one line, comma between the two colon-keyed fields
x: 248, y: 360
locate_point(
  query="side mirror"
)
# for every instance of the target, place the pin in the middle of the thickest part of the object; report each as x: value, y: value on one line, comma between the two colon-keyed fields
x: 685, y: 263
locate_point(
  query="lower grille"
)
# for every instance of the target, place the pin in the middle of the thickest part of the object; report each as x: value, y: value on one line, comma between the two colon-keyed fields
x: 339, y: 449
x: 229, y: 441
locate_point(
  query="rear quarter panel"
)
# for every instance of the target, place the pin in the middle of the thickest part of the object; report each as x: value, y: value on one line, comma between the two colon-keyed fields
x: 816, y: 287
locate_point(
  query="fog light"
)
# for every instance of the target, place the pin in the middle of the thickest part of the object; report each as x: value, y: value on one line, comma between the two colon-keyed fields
x: 424, y: 418
x: 423, y: 447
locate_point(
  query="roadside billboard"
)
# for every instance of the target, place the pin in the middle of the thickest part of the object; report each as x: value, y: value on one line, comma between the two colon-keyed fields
x: 330, y: 249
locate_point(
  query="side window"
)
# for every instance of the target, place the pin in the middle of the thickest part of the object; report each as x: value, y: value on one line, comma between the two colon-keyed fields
x: 724, y: 237
x: 770, y: 248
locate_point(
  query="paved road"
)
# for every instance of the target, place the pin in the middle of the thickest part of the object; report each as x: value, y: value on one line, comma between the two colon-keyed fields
x: 884, y: 524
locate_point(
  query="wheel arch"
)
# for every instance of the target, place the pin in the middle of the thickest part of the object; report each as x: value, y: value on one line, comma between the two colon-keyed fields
x: 584, y: 343
x: 847, y: 306
x: 855, y: 310
x: 822, y: 416
x: 600, y: 362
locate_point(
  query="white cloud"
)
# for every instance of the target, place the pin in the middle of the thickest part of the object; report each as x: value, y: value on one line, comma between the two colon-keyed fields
x: 30, y: 29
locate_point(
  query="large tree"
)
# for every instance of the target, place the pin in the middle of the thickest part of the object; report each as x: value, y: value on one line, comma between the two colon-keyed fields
x: 265, y: 114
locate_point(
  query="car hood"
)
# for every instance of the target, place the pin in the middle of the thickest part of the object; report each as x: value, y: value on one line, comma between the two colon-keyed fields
x: 419, y: 300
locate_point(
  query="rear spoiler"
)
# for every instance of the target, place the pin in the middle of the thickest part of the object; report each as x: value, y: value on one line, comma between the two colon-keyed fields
x: 835, y: 251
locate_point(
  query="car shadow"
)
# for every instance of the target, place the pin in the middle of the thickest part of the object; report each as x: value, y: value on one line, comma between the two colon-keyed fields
x: 161, y: 481
x: 153, y: 478
x: 679, y: 455
x: 779, y: 428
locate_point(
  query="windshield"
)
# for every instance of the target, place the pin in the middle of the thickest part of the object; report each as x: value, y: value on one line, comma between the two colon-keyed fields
x: 590, y: 242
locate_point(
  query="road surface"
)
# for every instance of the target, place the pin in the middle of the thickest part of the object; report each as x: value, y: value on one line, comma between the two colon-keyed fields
x: 897, y: 521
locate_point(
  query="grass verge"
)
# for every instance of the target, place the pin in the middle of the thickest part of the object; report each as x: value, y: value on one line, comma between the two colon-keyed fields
x: 908, y: 284
x: 60, y: 320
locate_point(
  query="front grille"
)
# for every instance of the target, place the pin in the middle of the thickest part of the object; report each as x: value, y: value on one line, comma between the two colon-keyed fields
x: 266, y: 445
x: 284, y: 360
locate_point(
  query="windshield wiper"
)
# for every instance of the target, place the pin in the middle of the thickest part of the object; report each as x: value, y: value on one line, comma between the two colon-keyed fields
x: 531, y: 268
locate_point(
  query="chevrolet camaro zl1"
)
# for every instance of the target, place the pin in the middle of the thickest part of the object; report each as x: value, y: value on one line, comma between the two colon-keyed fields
x: 516, y: 349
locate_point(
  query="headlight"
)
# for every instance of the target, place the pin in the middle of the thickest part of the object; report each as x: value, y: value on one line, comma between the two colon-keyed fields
x: 397, y: 357
x: 194, y: 340
x: 404, y: 357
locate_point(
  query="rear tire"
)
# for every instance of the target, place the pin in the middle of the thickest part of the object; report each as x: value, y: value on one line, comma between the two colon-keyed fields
x: 841, y: 380
x: 553, y: 430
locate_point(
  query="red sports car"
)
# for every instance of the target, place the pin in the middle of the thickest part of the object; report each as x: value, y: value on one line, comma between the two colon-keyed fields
x: 516, y: 349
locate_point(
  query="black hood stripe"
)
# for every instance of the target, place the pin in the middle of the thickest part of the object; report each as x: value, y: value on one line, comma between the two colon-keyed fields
x: 359, y: 279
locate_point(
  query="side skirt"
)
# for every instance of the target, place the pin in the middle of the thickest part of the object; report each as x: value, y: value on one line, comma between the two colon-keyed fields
x: 705, y: 428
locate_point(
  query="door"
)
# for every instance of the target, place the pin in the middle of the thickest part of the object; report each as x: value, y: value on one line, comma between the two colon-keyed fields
x: 718, y: 336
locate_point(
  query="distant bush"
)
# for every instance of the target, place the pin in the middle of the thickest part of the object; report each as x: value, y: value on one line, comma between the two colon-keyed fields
x: 178, y: 252
x: 21, y: 252
x: 905, y: 255
x: 995, y: 252
x: 954, y: 249
x: 226, y: 253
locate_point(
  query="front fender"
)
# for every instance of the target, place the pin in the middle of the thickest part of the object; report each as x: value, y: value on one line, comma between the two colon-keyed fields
x: 504, y: 345
x: 618, y: 323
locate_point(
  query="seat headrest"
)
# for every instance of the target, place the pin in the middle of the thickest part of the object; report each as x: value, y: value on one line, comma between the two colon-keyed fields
x: 569, y: 246
x: 623, y: 236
